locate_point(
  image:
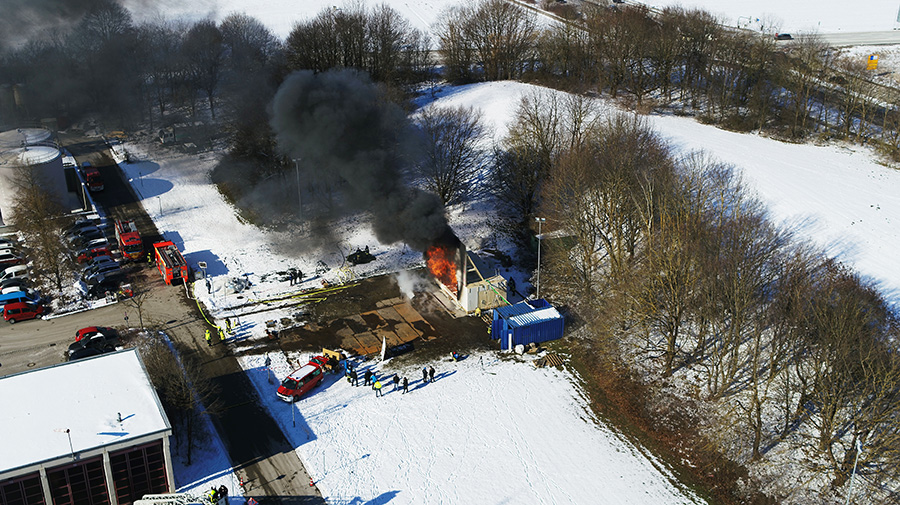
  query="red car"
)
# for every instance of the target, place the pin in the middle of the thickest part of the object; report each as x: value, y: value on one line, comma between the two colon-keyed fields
x: 86, y: 255
x: 302, y: 380
x: 93, y: 330
x: 21, y: 311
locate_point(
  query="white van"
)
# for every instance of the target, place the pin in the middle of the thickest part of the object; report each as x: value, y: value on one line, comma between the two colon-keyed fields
x: 14, y: 271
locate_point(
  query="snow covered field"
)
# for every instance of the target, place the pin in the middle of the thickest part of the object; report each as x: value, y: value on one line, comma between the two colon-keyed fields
x: 486, y: 431
x: 491, y: 426
x: 795, y: 16
x: 278, y: 15
x: 799, y: 15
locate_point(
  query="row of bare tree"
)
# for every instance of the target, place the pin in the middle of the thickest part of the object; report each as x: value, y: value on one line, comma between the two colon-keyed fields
x: 128, y: 74
x: 671, y: 262
x: 379, y: 41
x: 676, y: 58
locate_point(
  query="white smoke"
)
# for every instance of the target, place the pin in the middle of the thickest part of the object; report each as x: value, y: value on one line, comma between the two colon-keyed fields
x: 411, y: 283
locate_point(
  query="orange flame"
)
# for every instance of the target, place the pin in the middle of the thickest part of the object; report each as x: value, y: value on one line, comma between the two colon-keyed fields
x: 441, y: 264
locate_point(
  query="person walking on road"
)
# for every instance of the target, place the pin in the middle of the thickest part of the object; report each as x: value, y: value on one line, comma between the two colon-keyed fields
x: 221, y: 334
x: 396, y: 380
x: 405, y: 385
x: 431, y: 374
x: 353, y: 378
x: 368, y: 378
x: 377, y: 388
x: 208, y: 338
x: 424, y: 375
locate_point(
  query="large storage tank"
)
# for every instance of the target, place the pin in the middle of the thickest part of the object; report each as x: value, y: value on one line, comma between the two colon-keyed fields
x: 31, y: 150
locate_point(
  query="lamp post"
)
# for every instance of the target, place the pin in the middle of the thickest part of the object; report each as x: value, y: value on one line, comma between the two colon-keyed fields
x: 299, y: 198
x: 540, y: 221
x: 853, y: 475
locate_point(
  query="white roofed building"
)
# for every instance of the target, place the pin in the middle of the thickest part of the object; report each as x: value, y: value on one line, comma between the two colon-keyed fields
x: 90, y: 431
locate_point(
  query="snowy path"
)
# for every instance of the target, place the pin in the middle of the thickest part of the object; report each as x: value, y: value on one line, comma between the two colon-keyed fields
x: 505, y: 433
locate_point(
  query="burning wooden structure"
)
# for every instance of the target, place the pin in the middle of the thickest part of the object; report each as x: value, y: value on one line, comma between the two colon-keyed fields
x: 461, y: 275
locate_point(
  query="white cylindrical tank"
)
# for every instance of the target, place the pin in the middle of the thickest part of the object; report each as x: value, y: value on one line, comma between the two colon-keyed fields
x: 23, y: 137
x: 44, y: 163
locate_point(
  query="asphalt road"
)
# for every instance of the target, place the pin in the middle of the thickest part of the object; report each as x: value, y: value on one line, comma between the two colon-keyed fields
x: 861, y: 38
x: 257, y: 448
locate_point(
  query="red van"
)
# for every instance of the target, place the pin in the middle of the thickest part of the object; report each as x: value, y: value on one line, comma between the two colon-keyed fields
x: 21, y: 311
x: 301, y: 380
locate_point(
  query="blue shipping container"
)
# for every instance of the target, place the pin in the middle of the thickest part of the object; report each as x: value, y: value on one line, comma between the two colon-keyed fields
x: 526, y: 322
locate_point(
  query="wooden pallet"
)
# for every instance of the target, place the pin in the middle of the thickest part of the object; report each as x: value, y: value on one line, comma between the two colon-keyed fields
x: 551, y: 359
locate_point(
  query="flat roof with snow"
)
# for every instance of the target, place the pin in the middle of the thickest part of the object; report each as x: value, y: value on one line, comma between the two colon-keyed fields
x: 85, y: 397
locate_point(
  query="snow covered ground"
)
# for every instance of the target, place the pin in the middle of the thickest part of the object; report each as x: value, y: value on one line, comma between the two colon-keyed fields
x: 798, y: 15
x: 486, y: 431
x: 840, y: 197
x: 278, y: 15
x: 508, y: 431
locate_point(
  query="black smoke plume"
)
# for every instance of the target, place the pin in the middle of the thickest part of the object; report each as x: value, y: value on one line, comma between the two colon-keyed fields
x: 339, y: 126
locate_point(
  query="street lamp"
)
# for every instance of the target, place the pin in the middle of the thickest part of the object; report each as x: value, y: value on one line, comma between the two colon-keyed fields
x: 540, y: 221
x: 853, y: 475
x: 299, y: 198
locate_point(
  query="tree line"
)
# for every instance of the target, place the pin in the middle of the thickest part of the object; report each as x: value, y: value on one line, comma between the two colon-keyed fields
x: 678, y: 272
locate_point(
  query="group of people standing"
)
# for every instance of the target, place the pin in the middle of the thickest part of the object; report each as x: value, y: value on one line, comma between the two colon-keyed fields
x: 230, y: 328
x: 370, y: 378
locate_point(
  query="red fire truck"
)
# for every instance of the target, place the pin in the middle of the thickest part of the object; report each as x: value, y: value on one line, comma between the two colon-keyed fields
x: 129, y: 239
x: 92, y: 177
x: 170, y: 262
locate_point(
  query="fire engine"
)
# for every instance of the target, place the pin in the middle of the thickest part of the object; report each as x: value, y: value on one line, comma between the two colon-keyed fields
x: 129, y: 239
x: 92, y: 177
x: 170, y: 262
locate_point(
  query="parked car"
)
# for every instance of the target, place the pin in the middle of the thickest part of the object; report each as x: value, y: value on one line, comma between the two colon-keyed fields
x: 99, y: 260
x: 103, y: 269
x: 15, y: 281
x: 90, y: 244
x: 14, y: 271
x: 99, y: 286
x: 19, y: 296
x: 783, y: 36
x: 301, y: 380
x: 79, y: 225
x: 13, y: 289
x: 85, y: 255
x: 93, y: 330
x: 86, y: 235
x: 97, y: 343
x: 8, y: 243
x: 21, y: 311
x: 10, y: 257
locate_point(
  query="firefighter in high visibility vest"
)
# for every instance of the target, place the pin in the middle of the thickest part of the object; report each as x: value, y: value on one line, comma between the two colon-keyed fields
x: 221, y: 334
x: 213, y: 496
x: 208, y: 338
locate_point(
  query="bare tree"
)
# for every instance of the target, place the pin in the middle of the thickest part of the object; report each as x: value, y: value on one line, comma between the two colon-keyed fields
x: 183, y: 388
x: 453, y: 152
x: 802, y: 80
x: 249, y: 45
x: 495, y: 35
x: 203, y: 52
x: 38, y: 214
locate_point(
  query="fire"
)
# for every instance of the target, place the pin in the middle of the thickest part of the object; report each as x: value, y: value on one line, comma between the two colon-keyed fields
x: 440, y: 261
